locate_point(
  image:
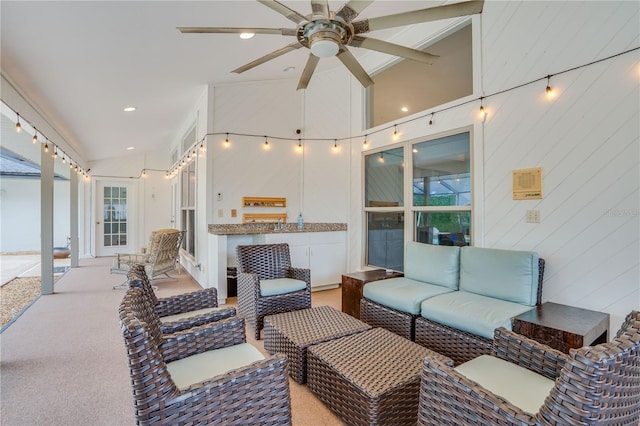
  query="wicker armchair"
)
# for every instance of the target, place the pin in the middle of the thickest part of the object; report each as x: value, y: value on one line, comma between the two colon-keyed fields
x: 267, y: 284
x: 182, y: 311
x: 206, y: 375
x: 592, y: 385
x: 160, y: 258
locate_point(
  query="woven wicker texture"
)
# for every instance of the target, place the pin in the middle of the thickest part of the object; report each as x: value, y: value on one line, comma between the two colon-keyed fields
x: 597, y: 385
x: 257, y: 394
x: 291, y: 333
x: 179, y: 304
x: 395, y: 321
x: 268, y: 261
x: 369, y: 378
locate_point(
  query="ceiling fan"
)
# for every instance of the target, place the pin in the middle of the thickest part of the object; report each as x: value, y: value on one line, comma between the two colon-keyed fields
x: 328, y: 33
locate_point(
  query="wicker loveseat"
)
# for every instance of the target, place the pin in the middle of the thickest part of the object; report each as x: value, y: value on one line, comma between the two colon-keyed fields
x: 451, y: 299
x: 527, y: 383
x: 204, y: 375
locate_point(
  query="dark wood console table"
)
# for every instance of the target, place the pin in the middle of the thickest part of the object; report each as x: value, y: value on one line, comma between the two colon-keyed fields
x: 563, y: 327
x: 353, y: 283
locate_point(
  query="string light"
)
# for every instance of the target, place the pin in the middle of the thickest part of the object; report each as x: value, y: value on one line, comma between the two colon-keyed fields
x: 364, y: 142
x: 483, y: 112
x: 395, y: 132
x: 335, y: 144
x: 35, y: 135
x: 202, y: 148
x: 299, y: 147
x: 63, y: 160
x: 226, y: 141
x: 46, y: 146
x: 431, y: 119
x: 55, y: 152
x: 144, y: 172
x: 381, y: 158
x: 266, y: 143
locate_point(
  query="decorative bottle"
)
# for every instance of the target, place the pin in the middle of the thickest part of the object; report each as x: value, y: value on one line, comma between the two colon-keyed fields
x: 300, y: 221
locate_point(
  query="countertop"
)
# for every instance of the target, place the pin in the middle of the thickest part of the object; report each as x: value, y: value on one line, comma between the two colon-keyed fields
x: 269, y: 228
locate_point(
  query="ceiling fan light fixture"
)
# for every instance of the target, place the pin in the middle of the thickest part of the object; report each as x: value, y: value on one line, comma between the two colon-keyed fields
x: 246, y: 36
x: 324, y: 48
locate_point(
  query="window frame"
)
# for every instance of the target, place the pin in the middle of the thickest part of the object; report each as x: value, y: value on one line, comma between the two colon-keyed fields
x: 408, y: 209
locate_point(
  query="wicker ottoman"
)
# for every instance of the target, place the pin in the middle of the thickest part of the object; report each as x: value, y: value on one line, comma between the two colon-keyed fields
x: 291, y: 333
x: 370, y: 378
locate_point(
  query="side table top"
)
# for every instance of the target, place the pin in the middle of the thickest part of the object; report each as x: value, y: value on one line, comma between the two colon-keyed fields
x: 567, y: 318
x: 373, y: 275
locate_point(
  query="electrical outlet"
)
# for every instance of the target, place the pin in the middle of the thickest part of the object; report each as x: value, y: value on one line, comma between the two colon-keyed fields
x: 220, y: 213
x: 234, y: 213
x: 533, y: 216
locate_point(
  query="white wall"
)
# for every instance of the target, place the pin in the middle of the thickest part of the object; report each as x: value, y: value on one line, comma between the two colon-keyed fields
x: 20, y: 206
x: 586, y: 140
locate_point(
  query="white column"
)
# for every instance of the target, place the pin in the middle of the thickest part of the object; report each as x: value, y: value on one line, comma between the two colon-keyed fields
x: 46, y: 221
x: 73, y: 201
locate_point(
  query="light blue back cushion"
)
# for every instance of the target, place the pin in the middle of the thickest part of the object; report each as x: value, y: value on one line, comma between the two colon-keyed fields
x: 439, y: 265
x: 509, y: 275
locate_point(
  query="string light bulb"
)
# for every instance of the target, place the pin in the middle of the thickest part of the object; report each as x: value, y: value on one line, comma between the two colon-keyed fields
x: 35, y: 135
x: 46, y: 146
x: 55, y: 152
x: 144, y: 172
x: 381, y: 158
x: 431, y: 119
x: 63, y: 160
x: 18, y: 126
x: 335, y: 145
x: 549, y: 89
x: 266, y: 143
x: 365, y: 143
x: 226, y: 141
x: 299, y: 147
x: 395, y: 132
x: 202, y: 148
x: 483, y: 112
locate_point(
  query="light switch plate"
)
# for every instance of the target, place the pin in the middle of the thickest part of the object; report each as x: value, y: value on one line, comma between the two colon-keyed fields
x: 533, y: 216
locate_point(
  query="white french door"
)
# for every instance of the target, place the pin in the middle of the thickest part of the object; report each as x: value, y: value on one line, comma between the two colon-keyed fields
x: 114, y: 219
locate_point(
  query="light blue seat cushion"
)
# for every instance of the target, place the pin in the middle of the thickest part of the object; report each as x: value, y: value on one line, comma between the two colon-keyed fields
x: 504, y: 274
x: 185, y: 315
x: 473, y: 313
x: 402, y: 294
x: 280, y: 286
x: 433, y: 264
x: 199, y: 367
x: 521, y: 387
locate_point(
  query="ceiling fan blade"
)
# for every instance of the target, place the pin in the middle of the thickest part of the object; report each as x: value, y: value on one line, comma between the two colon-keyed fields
x: 393, y: 49
x: 418, y: 16
x: 320, y: 7
x: 352, y: 65
x: 232, y: 30
x: 268, y: 57
x: 352, y: 9
x: 290, y: 14
x: 308, y: 71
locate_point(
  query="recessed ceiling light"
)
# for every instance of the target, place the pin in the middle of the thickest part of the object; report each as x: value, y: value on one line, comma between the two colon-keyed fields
x: 246, y: 36
x: 131, y: 147
x: 404, y: 109
x: 288, y: 69
x: 129, y: 109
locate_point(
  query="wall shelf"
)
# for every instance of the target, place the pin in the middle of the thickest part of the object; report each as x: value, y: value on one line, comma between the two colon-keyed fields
x: 264, y: 202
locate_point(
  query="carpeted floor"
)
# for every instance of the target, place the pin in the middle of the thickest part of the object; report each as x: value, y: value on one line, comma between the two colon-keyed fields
x: 63, y: 360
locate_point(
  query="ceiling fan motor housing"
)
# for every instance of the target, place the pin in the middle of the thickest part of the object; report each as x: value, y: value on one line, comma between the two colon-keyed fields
x: 325, y: 36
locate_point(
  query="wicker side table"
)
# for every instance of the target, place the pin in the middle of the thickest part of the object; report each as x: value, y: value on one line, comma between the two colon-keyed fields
x: 291, y: 333
x: 369, y: 378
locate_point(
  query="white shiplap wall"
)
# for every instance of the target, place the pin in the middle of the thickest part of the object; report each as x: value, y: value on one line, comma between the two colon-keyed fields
x: 586, y: 139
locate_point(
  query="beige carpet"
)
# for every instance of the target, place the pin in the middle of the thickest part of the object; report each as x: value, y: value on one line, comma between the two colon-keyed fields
x: 63, y: 361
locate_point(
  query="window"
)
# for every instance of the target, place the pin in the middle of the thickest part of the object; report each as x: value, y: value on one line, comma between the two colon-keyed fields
x: 417, y: 86
x: 188, y: 196
x: 115, y: 216
x: 188, y: 207
x: 384, y: 201
x: 439, y: 211
x: 442, y: 190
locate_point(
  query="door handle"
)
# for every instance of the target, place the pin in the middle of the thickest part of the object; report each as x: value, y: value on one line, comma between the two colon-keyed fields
x: 97, y: 223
